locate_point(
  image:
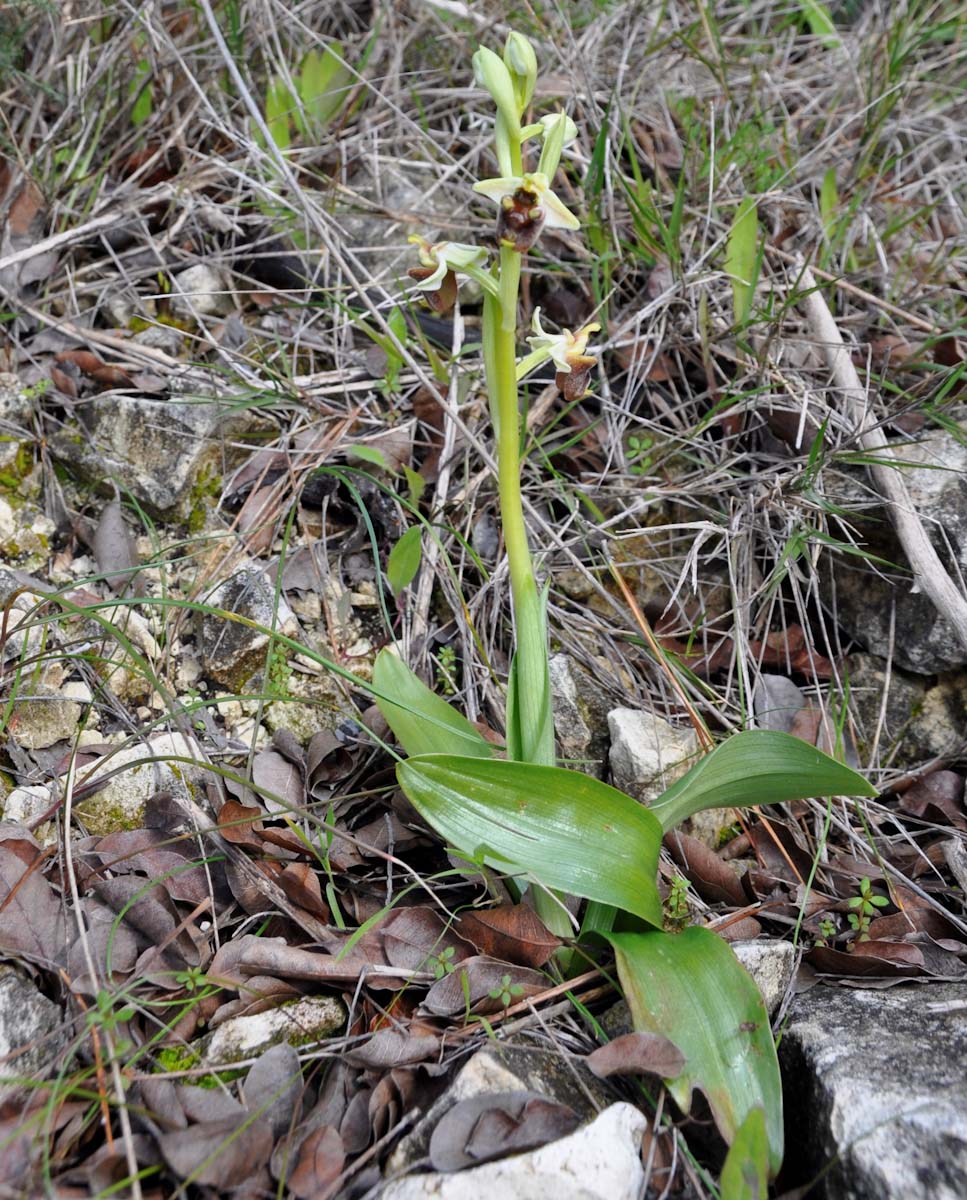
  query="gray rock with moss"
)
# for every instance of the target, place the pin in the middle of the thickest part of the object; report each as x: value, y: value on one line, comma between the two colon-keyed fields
x: 232, y: 651
x: 134, y: 774
x: 304, y: 1023
x: 32, y: 1031
x: 908, y: 719
x: 170, y: 454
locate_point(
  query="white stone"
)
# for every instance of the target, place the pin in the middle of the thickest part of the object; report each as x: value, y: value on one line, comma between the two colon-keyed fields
x: 120, y: 803
x: 599, y: 1161
x: 301, y: 1024
x: 27, y: 803
x: 573, y: 732
x: 203, y: 291
x: 647, y: 753
x: 77, y: 689
x: 505, y: 1068
x: 484, y: 1073
x: 771, y: 964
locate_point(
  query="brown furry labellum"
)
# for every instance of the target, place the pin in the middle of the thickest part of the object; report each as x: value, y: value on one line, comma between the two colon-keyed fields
x: 574, y: 383
x: 441, y: 299
x: 520, y: 220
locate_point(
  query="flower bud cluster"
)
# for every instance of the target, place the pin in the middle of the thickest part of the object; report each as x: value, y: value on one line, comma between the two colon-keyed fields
x: 526, y: 205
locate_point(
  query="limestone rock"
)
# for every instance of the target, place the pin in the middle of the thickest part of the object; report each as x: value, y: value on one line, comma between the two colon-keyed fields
x: 570, y: 714
x: 32, y: 1030
x: 771, y: 964
x: 647, y: 753
x: 862, y: 595
x: 303, y: 1023
x: 231, y: 652
x: 311, y: 703
x: 120, y: 803
x: 876, y: 1088
x: 170, y: 454
x: 16, y: 408
x: 42, y: 716
x: 599, y: 1161
x: 201, y: 290
x: 25, y: 534
x: 919, y: 722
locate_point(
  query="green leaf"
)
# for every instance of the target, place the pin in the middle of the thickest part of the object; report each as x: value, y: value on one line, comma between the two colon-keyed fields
x: 142, y: 90
x: 324, y: 84
x: 279, y: 104
x: 821, y: 23
x: 415, y: 484
x: 759, y: 766
x: 404, y: 559
x: 828, y: 199
x: 530, y: 714
x: 746, y: 1171
x: 371, y: 455
x: 691, y: 988
x: 422, y: 721
x: 740, y: 258
x: 394, y: 364
x: 566, y: 830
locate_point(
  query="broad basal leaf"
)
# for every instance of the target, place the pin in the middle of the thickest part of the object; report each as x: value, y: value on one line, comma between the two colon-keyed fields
x: 759, y: 766
x: 564, y: 829
x: 746, y: 1171
x: 691, y: 988
x: 422, y: 721
x: 740, y: 258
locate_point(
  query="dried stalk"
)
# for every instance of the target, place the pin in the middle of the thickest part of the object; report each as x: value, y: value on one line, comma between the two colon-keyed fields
x: 929, y: 572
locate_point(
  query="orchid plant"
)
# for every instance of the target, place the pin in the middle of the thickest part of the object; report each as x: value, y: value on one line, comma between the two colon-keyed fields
x: 559, y: 836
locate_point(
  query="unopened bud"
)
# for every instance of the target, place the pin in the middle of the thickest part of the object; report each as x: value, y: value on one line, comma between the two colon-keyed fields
x: 522, y: 64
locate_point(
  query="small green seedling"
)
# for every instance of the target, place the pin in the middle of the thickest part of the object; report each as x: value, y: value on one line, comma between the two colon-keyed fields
x: 192, y: 980
x: 676, y: 908
x: 506, y: 991
x: 865, y: 906
x: 827, y: 931
x: 446, y: 670
x: 639, y: 447
x: 443, y: 963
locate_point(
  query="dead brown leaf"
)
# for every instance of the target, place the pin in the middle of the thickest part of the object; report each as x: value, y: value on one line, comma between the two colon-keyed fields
x: 319, y: 1164
x: 637, y: 1054
x: 392, y: 1048
x: 511, y: 932
x: 496, y: 1124
x: 218, y: 1154
x: 713, y: 879
x: 491, y: 986
x: 114, y: 549
x: 31, y: 916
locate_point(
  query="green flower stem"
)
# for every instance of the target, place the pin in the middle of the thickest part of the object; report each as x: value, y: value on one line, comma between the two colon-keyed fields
x: 508, y: 431
x: 530, y: 723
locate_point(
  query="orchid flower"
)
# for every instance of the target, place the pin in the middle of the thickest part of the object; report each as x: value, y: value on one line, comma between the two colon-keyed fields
x: 568, y: 352
x: 527, y: 203
x: 440, y: 263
